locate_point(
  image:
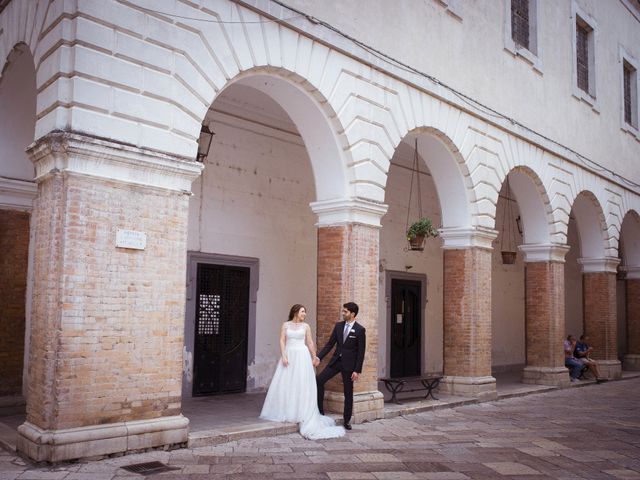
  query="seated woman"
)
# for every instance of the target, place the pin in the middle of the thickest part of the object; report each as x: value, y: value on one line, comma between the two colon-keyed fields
x: 583, y: 353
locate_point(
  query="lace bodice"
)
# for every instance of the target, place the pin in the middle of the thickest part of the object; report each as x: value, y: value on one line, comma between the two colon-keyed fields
x: 295, y: 335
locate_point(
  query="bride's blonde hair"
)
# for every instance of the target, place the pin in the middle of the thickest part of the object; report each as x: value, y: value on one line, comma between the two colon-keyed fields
x: 295, y: 309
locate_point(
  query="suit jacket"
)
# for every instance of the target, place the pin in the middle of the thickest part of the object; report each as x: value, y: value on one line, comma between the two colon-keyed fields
x: 350, y: 351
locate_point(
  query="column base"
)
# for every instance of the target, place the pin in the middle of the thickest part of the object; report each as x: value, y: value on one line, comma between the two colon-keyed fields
x: 631, y: 362
x: 99, y: 440
x: 610, y: 369
x: 554, y: 376
x: 482, y: 388
x: 366, y: 405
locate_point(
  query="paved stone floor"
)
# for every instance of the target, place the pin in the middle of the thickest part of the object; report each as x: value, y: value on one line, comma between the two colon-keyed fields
x: 578, y: 433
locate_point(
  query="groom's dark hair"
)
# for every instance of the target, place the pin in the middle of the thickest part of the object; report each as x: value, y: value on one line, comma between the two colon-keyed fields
x: 352, y: 307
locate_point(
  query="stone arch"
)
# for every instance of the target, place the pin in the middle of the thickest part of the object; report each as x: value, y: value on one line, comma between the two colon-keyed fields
x: 449, y: 173
x: 534, y: 204
x: 630, y: 239
x: 591, y: 224
x: 314, y: 120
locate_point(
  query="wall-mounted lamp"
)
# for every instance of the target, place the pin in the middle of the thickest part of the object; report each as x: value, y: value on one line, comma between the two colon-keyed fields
x: 519, y: 224
x: 204, y: 142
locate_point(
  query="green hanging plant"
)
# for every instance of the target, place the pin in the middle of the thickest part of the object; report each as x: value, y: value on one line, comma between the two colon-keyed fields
x: 422, y: 228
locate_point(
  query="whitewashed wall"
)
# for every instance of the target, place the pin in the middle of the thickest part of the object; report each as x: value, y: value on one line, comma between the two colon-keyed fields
x: 18, y: 115
x: 464, y: 46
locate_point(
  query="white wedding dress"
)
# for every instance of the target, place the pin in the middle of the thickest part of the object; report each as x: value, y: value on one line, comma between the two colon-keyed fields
x: 292, y: 395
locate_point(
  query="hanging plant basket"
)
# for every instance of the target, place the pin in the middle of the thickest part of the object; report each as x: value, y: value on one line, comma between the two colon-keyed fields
x: 416, y: 243
x: 418, y: 232
x: 508, y: 258
x: 421, y: 228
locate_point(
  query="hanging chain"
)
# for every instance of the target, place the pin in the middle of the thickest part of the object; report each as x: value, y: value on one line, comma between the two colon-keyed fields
x: 415, y: 169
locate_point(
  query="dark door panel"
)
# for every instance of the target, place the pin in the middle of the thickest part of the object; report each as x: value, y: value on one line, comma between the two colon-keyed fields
x: 406, y: 322
x: 222, y: 318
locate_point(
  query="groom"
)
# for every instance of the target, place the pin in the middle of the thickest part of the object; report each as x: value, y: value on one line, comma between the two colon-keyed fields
x: 347, y: 359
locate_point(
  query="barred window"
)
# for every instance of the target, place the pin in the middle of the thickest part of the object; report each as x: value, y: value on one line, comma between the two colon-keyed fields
x: 630, y: 93
x: 626, y: 69
x: 520, y: 22
x: 582, y: 54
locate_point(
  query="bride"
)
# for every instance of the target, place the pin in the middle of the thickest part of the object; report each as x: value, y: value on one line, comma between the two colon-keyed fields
x: 292, y: 395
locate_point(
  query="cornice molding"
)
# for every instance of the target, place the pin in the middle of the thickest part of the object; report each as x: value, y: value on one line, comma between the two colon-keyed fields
x: 17, y: 194
x: 66, y: 152
x: 599, y: 265
x: 544, y: 252
x: 350, y: 210
x: 457, y: 238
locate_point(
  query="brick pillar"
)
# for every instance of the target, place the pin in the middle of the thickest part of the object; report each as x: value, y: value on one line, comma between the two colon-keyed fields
x: 108, y: 313
x: 348, y: 256
x: 544, y: 315
x: 600, y: 312
x: 632, y: 358
x: 467, y: 313
x: 14, y: 255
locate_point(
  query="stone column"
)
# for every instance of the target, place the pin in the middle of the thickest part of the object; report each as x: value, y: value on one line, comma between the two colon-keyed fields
x: 544, y: 314
x: 110, y: 231
x: 600, y: 312
x: 467, y: 313
x: 348, y: 256
x: 632, y: 358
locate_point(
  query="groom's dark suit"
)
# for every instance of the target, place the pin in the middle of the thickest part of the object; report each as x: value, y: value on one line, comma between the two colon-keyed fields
x: 347, y: 358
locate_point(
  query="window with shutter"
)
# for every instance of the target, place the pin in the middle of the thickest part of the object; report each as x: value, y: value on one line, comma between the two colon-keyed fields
x: 626, y: 69
x: 520, y: 22
x: 582, y: 56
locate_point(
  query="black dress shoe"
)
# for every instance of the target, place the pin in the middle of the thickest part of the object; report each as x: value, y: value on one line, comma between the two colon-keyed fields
x: 347, y: 426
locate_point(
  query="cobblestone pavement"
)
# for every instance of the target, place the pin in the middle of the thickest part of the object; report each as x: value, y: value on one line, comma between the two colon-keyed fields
x: 578, y: 433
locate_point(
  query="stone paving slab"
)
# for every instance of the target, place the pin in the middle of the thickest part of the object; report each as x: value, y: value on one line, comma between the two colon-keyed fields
x: 577, y: 433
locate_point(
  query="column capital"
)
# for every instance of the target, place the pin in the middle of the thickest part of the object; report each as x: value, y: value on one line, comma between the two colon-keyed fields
x: 544, y: 252
x: 342, y: 211
x: 458, y: 238
x: 81, y: 154
x: 599, y: 265
x: 631, y: 273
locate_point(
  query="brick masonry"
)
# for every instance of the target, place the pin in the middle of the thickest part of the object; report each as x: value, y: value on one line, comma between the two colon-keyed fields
x: 544, y: 314
x: 600, y: 319
x: 14, y: 255
x: 633, y: 316
x: 107, y: 322
x: 467, y: 312
x: 348, y: 271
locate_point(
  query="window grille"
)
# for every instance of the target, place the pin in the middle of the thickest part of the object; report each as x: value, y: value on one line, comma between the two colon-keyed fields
x: 520, y: 22
x: 627, y: 72
x: 582, y: 54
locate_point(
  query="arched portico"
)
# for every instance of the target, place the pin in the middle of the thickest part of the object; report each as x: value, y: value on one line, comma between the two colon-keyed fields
x: 542, y: 277
x: 630, y: 242
x: 598, y: 282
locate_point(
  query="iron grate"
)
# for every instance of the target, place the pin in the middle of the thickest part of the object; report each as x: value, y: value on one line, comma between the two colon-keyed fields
x: 149, y: 468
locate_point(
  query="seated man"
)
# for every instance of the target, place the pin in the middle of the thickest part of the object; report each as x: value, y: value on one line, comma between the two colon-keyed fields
x: 583, y: 353
x: 574, y: 365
